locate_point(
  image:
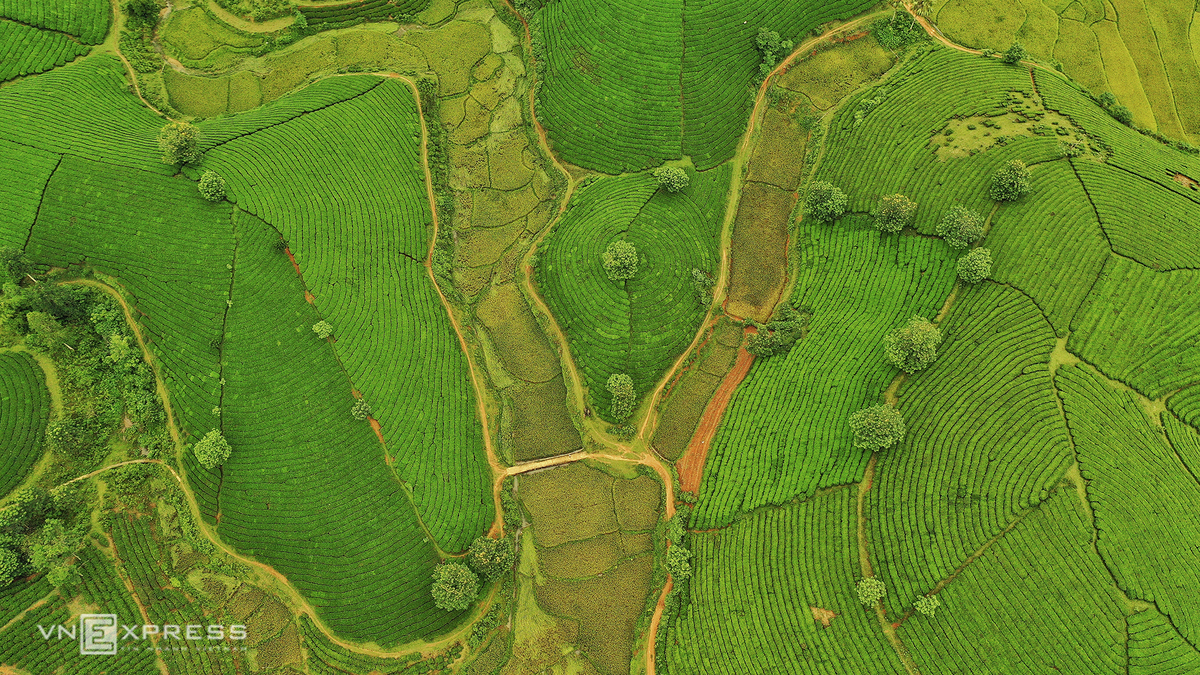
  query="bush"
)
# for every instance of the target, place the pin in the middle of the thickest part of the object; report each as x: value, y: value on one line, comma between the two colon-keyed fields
x: 870, y: 591
x: 894, y: 213
x: 322, y: 328
x: 671, y: 177
x: 913, y: 346
x: 960, y: 227
x: 1015, y: 54
x: 178, y: 142
x: 73, y: 435
x: 361, y: 410
x: 678, y: 562
x: 898, y: 31
x: 212, y: 450
x: 620, y: 260
x: 825, y: 202
x: 26, y: 511
x: 455, y: 586
x: 778, y: 336
x: 212, y: 186
x: 13, y: 264
x: 491, y: 558
x: 1010, y: 181
x: 620, y: 386
x: 927, y: 604
x: 975, y: 266
x: 142, y: 10
x: 772, y: 48
x: 877, y: 427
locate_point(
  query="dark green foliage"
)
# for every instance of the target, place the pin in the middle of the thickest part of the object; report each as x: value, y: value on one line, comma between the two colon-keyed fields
x: 1015, y: 54
x: 212, y: 186
x: 455, y: 586
x: 678, y: 562
x: 13, y: 264
x: 960, y: 227
x: 26, y: 511
x: 877, y: 427
x: 1010, y: 181
x: 778, y: 336
x: 620, y: 386
x: 620, y: 260
x: 489, y: 622
x: 824, y: 202
x: 10, y: 565
x: 141, y: 10
x: 74, y: 435
x: 773, y: 49
x: 899, y: 31
x: 212, y: 450
x: 1119, y: 112
x: 178, y: 142
x: 975, y: 266
x: 703, y: 285
x: 673, y: 178
x: 491, y: 558
x: 508, y: 503
x: 913, y: 346
x: 894, y: 213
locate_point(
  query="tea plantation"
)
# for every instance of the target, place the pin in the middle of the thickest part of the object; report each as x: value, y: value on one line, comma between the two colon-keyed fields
x: 548, y: 336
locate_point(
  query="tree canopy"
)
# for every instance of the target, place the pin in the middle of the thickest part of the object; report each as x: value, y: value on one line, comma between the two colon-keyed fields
x: 678, y: 562
x: 877, y: 427
x: 212, y: 450
x: 455, y: 586
x: 975, y: 266
x: 620, y: 386
x: 10, y: 565
x: 960, y: 227
x: 178, y: 142
x: 361, y: 410
x: 673, y: 178
x: 894, y: 212
x: 1010, y: 181
x: 913, y: 346
x: 212, y: 186
x: 870, y: 590
x: 927, y: 604
x: 491, y: 558
x: 1015, y: 54
x: 620, y: 260
x: 825, y: 202
x: 323, y: 329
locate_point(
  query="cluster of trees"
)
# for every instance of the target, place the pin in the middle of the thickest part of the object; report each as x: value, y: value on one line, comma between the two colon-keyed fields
x: 456, y: 584
x: 871, y: 590
x: 778, y: 336
x: 898, y: 31
x: 772, y: 48
x: 678, y: 559
x: 180, y: 145
x: 40, y: 532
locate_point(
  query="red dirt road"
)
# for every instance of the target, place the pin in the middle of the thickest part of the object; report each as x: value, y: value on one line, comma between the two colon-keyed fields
x: 691, y: 465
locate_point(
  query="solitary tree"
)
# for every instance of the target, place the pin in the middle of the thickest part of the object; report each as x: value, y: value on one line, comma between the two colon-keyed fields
x: 1010, y: 181
x: 975, y: 266
x: 825, y: 202
x: 1015, y: 54
x: 361, y: 409
x: 212, y: 450
x: 960, y: 227
x: 490, y: 558
x: 870, y: 590
x: 620, y: 386
x: 913, y: 346
x: 10, y: 565
x: 212, y: 186
x: 894, y: 213
x: 877, y: 427
x: 620, y: 260
x: 323, y: 329
x: 678, y: 562
x: 671, y: 177
x: 178, y: 141
x: 927, y: 604
x: 455, y: 586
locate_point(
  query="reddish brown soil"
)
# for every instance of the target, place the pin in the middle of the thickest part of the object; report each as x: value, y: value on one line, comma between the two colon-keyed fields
x: 1185, y: 181
x: 376, y: 426
x: 691, y: 465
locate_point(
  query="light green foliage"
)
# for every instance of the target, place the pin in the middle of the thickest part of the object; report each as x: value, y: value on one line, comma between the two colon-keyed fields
x: 870, y: 590
x: 960, y: 227
x: 778, y: 336
x: 620, y: 260
x: 491, y: 558
x: 1010, y: 181
x: 898, y: 31
x: 14, y: 265
x: 678, y: 562
x: 703, y: 285
x: 913, y: 346
x: 1015, y: 54
x: 927, y: 604
x: 361, y: 410
x: 179, y: 143
x: 323, y: 329
x: 674, y: 178
x: 455, y: 586
x: 877, y: 427
x: 10, y: 564
x: 975, y: 266
x: 620, y: 386
x: 824, y: 202
x: 26, y: 511
x: 212, y: 450
x: 894, y: 212
x: 212, y: 186
x: 773, y: 49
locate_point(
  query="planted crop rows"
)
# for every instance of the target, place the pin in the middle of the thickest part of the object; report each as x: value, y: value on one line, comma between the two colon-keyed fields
x: 26, y: 405
x: 25, y: 50
x: 367, y: 10
x: 1156, y: 648
x: 353, y: 168
x: 85, y: 19
x: 785, y: 433
x: 23, y: 175
x: 637, y: 326
x: 985, y: 441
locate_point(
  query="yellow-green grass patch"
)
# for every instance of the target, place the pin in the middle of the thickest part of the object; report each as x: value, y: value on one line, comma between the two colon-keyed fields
x: 637, y: 502
x: 684, y: 407
x: 479, y: 246
x: 542, y: 425
x: 192, y: 35
x: 568, y: 503
x: 1122, y: 74
x: 1079, y: 51
x: 476, y: 120
x: 637, y: 542
x: 539, y: 639
x: 832, y: 74
x: 778, y: 157
x: 1171, y: 21
x: 437, y: 12
x: 197, y: 96
x: 507, y: 154
x: 267, y: 621
x: 518, y: 339
x: 245, y: 92
x: 452, y: 51
x: 293, y: 68
x: 487, y: 67
x: 281, y: 650
x: 981, y: 23
x: 576, y: 559
x: 758, y: 255
x: 607, y: 608
x: 1138, y: 36
x: 245, y: 601
x: 493, y: 208
x: 1039, y: 32
x: 374, y: 49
